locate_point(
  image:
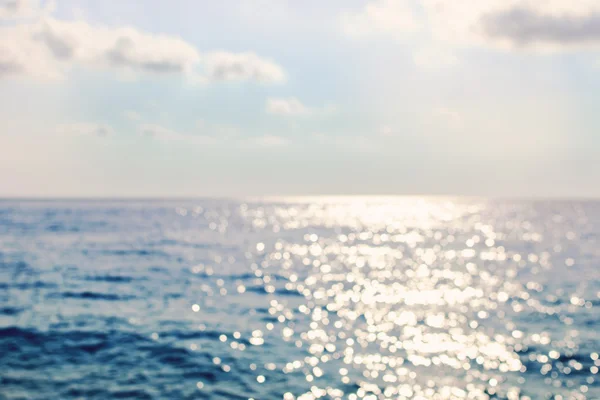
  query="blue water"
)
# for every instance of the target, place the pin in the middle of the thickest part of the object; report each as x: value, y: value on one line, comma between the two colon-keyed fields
x: 331, y: 298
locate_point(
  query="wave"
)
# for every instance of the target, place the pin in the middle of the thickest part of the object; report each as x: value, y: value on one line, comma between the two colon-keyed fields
x: 10, y: 311
x: 110, y: 278
x: 279, y: 292
x: 28, y: 285
x: 91, y: 296
x: 120, y: 361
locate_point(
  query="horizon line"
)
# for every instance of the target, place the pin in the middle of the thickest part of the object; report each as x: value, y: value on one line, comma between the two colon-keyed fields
x: 296, y: 196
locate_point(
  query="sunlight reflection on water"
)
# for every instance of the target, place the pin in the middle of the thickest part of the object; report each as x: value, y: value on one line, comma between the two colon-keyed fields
x: 421, y: 299
x: 307, y: 298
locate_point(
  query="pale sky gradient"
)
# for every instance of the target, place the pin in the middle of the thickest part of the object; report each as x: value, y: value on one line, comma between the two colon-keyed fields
x: 281, y: 97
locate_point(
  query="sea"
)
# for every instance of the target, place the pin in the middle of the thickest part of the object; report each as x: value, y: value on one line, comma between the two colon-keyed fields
x: 300, y: 298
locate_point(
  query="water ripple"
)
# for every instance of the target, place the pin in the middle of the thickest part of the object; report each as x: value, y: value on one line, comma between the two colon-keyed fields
x: 320, y: 298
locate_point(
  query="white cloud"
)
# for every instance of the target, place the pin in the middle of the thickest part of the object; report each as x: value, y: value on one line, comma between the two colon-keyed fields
x: 551, y: 25
x: 23, y: 9
x: 48, y: 47
x: 123, y: 48
x: 14, y: 8
x: 20, y: 55
x: 289, y: 106
x: 85, y: 129
x: 225, y: 66
x: 153, y: 53
x: 391, y: 17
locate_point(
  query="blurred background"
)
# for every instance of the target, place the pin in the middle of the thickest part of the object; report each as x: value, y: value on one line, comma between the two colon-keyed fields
x: 277, y: 97
x: 269, y: 199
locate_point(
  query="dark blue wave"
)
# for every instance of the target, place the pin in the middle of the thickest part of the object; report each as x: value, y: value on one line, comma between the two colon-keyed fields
x: 28, y: 285
x: 91, y: 296
x: 110, y: 362
x: 110, y: 278
x: 11, y: 311
x: 279, y: 292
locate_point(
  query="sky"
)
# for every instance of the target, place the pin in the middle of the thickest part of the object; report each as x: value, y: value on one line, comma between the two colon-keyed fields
x: 280, y: 97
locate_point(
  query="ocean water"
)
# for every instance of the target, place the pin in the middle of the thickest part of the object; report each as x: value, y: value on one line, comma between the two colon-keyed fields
x: 300, y: 298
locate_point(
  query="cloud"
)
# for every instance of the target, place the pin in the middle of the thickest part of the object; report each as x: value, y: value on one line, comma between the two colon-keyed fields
x: 14, y: 8
x: 292, y: 107
x: 391, y: 17
x: 9, y: 65
x: 524, y: 27
x: 20, y: 55
x: 48, y: 47
x: 176, y: 56
x: 85, y: 129
x: 23, y: 9
x: 225, y: 66
x: 120, y: 48
x: 289, y: 106
x: 556, y: 25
